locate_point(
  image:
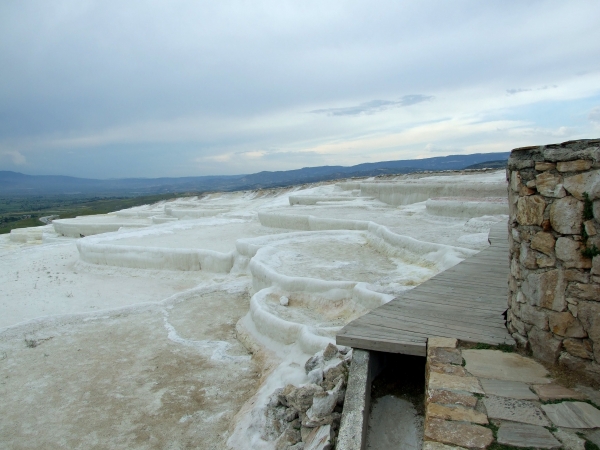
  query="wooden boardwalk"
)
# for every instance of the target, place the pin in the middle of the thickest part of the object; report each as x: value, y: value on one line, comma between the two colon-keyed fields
x: 466, y: 302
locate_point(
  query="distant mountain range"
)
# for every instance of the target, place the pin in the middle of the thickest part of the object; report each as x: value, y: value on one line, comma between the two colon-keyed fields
x: 18, y: 184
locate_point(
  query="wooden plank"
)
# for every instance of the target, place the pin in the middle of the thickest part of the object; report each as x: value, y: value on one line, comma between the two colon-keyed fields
x: 374, y: 333
x: 401, y: 306
x: 424, y: 327
x: 478, y: 305
x: 466, y: 301
x: 494, y: 319
x: 441, y: 318
x: 448, y: 300
x: 377, y: 328
x: 457, y: 292
x: 381, y: 345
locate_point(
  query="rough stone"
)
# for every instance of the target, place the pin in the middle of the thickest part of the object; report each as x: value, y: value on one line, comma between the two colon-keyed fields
x: 332, y: 375
x: 596, y: 265
x: 301, y: 398
x: 546, y: 226
x: 448, y: 369
x: 514, y: 410
x: 444, y: 397
x: 541, y: 166
x: 572, y: 306
x: 589, y: 227
x: 512, y: 284
x: 530, y: 210
x: 313, y: 362
x: 569, y: 251
x: 453, y: 382
x: 441, y: 342
x: 282, y: 394
x: 331, y: 351
x: 526, y: 191
x: 515, y: 270
x: 546, y: 289
x: 534, y: 316
x: 520, y: 164
x: 315, y: 376
x: 573, y: 415
x: 564, y: 324
x: 458, y: 433
x: 522, y: 435
x: 577, y: 165
x: 574, y: 363
x: 544, y: 346
x: 593, y: 240
x: 444, y: 356
x: 332, y: 419
x: 543, y: 242
x: 591, y: 393
x: 582, y: 348
x: 320, y: 438
x: 305, y: 431
x: 553, y: 391
x: 584, y: 291
x: 589, y: 316
x: 545, y: 261
x: 519, y: 326
x: 515, y: 181
x: 456, y: 413
x: 576, y: 275
x: 515, y: 235
x: 288, y: 438
x: 498, y: 365
x: 430, y: 445
x: 510, y: 389
x: 568, y: 154
x: 588, y: 182
x: 569, y: 440
x: 566, y: 215
x: 594, y: 436
x: 520, y: 340
x: 323, y: 404
x: 527, y: 257
x: 550, y: 185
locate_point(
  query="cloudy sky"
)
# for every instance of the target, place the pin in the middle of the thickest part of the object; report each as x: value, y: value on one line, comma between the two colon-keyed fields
x: 177, y: 88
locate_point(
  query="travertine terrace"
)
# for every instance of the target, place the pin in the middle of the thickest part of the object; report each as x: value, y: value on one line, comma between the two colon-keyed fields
x: 166, y: 324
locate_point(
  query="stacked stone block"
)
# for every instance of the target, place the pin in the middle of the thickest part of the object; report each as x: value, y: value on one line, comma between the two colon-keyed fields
x: 554, y: 237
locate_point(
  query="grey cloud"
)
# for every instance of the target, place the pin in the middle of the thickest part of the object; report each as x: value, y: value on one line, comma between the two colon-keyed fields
x: 141, y: 87
x: 432, y: 148
x: 374, y: 106
x: 516, y: 91
x: 519, y: 90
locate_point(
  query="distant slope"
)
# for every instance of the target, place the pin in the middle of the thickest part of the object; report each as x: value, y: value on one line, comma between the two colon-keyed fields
x: 501, y: 164
x: 14, y: 183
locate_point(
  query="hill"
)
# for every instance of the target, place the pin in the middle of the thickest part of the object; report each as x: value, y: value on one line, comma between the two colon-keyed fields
x: 19, y: 184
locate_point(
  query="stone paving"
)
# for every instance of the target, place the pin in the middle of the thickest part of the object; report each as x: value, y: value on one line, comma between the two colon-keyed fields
x: 482, y: 398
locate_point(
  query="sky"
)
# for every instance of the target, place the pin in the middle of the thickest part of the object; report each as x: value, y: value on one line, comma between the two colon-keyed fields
x: 113, y: 89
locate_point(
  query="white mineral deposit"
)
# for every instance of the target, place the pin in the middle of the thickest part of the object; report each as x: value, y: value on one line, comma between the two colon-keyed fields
x: 173, y: 324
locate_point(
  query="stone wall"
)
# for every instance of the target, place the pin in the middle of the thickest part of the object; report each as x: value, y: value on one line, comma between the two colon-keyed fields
x: 554, y: 282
